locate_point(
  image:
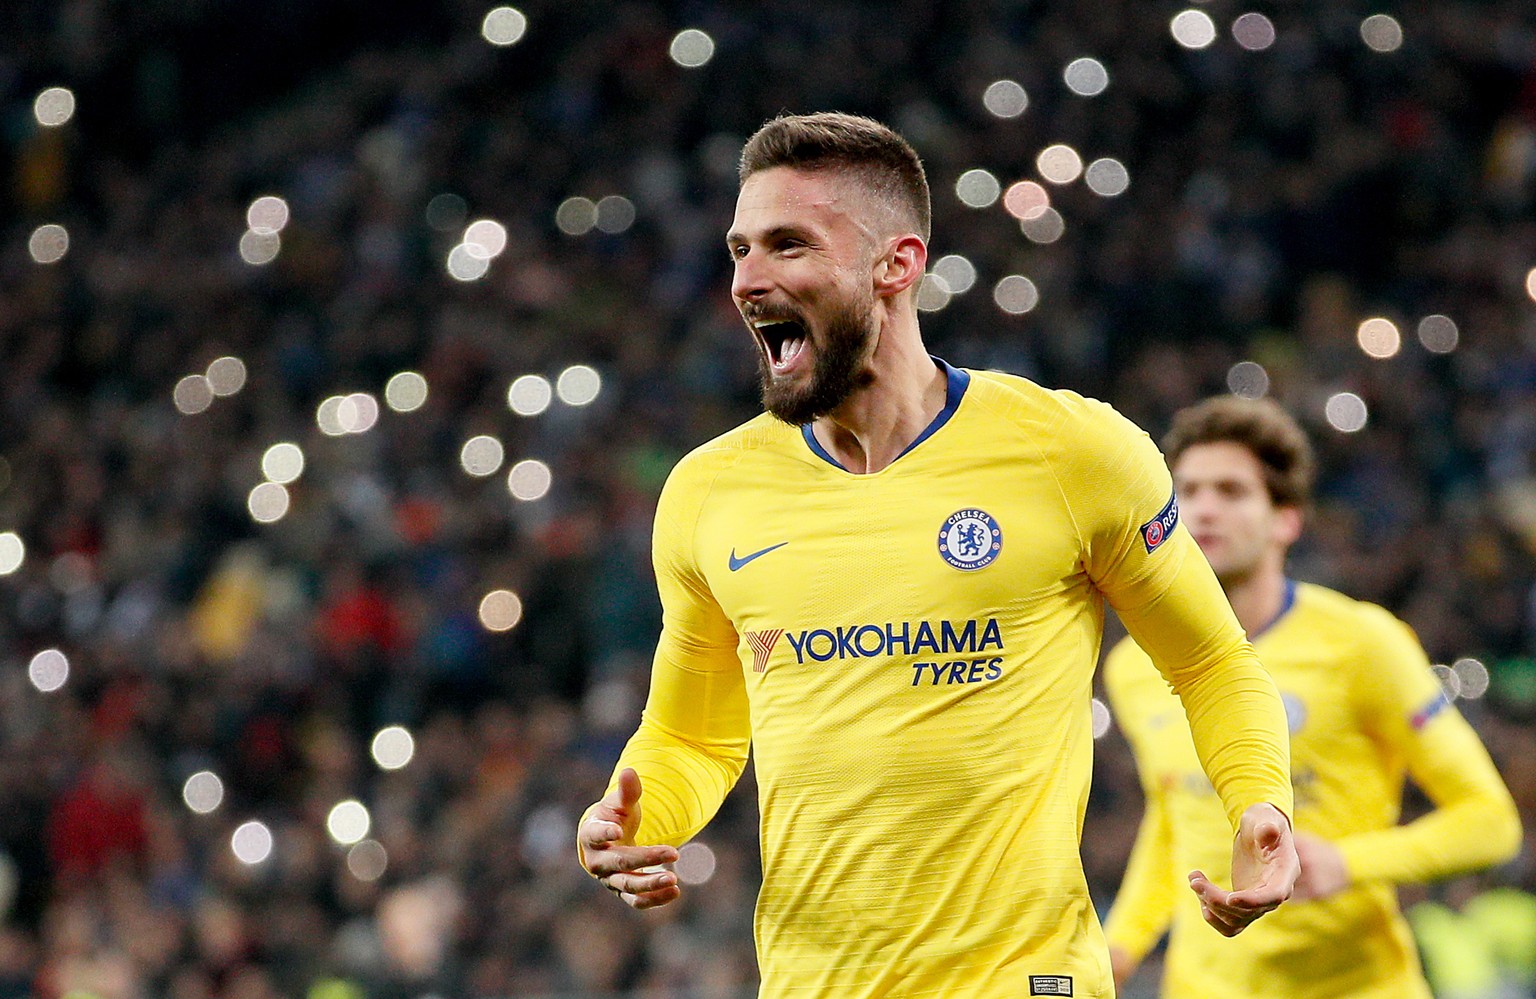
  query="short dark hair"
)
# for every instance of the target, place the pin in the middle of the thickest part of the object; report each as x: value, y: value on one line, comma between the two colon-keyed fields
x: 1260, y: 425
x: 885, y: 162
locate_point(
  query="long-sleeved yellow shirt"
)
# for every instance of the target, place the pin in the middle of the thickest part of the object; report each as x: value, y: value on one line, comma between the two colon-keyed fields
x: 1364, y: 709
x: 910, y: 656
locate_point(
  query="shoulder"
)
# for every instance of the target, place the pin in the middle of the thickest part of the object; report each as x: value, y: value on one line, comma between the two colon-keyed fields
x: 696, y: 472
x: 1019, y: 400
x: 1348, y: 619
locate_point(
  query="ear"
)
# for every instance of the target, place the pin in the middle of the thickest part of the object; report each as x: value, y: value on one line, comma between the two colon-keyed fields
x: 901, y: 266
x: 1287, y: 525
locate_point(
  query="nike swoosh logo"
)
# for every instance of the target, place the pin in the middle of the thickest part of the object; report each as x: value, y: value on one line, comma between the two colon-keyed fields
x: 737, y: 563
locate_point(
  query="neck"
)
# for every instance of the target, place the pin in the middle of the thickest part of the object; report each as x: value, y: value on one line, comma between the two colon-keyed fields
x: 878, y: 422
x: 1257, y: 599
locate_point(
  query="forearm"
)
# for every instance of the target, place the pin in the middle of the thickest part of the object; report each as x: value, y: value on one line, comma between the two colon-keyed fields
x: 1235, y: 713
x: 685, y: 779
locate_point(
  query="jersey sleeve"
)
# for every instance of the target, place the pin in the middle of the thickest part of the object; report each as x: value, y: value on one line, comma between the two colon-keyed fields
x: 1155, y: 576
x: 1474, y: 822
x: 1143, y: 907
x: 695, y: 731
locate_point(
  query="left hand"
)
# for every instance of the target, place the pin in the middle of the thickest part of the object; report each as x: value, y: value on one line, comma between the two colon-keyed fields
x: 1264, y: 871
x: 1322, y: 868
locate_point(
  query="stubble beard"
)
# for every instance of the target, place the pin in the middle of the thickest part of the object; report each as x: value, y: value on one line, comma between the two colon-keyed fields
x: 838, y: 372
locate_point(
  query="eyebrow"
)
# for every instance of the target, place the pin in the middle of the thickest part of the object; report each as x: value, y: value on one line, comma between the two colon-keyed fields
x: 733, y: 238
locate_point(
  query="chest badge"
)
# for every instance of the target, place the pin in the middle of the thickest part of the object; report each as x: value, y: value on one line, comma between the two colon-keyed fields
x: 970, y: 539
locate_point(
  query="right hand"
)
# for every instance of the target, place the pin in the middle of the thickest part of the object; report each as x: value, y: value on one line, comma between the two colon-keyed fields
x: 606, y: 842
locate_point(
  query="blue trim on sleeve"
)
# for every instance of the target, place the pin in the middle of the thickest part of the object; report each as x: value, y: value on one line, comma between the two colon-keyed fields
x: 956, y: 382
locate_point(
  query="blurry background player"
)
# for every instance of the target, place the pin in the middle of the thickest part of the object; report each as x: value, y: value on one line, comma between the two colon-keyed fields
x: 1363, y: 706
x: 916, y: 704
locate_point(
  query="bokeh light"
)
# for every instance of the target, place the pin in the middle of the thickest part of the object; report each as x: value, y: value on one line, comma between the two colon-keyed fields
x: 481, y: 455
x: 691, y: 48
x: 1005, y: 99
x: 1059, y: 164
x: 1101, y: 718
x: 392, y: 747
x: 368, y: 860
x: 465, y: 265
x: 48, y: 670
x: 1530, y: 283
x: 283, y: 462
x: 695, y: 863
x: 446, y: 212
x: 405, y: 392
x: 529, y: 480
x: 13, y: 552
x: 1379, y: 338
x: 251, y: 842
x: 484, y: 239
x: 1015, y: 294
x: 978, y: 188
x: 1248, y: 379
x: 529, y: 395
x: 357, y: 413
x: 932, y: 293
x: 70, y: 572
x: 500, y: 610
x: 268, y: 214
x: 48, y: 243
x: 348, y: 822
x: 614, y: 214
x: 268, y: 503
x: 1473, y: 676
x: 1381, y: 33
x: 1107, y: 177
x: 1047, y: 227
x: 226, y: 375
x: 54, y: 106
x: 958, y: 272
x: 576, y: 216
x: 504, y: 26
x: 328, y: 416
x: 1253, y: 31
x: 203, y: 792
x: 192, y: 395
x: 260, y: 248
x: 1438, y: 334
x: 578, y: 385
x: 1193, y: 29
x: 1450, y: 683
x: 1086, y: 77
x: 1346, y: 412
x: 1026, y: 200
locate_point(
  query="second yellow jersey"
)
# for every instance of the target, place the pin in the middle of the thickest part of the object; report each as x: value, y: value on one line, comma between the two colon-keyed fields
x: 910, y: 654
x: 1364, y: 709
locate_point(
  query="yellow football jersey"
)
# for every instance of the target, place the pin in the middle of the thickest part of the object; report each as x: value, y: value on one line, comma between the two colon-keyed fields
x: 910, y: 655
x: 1363, y: 709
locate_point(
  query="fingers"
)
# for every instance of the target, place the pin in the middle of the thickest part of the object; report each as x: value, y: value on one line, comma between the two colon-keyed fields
x: 1229, y: 913
x: 649, y: 900
x: 606, y: 860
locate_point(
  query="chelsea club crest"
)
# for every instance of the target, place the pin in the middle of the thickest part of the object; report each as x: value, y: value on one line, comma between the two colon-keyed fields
x: 970, y: 539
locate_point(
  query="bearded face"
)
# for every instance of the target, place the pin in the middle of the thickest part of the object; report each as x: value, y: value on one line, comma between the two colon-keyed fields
x: 839, y: 348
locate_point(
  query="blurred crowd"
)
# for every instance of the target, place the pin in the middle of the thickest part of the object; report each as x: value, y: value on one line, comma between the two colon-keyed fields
x: 1278, y: 197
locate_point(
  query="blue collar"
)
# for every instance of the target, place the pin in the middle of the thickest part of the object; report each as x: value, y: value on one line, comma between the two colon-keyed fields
x: 1285, y: 608
x: 956, y: 382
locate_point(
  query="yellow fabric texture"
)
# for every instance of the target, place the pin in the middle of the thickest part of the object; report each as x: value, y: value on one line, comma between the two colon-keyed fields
x: 921, y: 731
x: 1364, y: 710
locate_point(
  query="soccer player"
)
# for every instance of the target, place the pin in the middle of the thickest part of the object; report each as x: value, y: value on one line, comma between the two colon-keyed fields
x: 1363, y: 706
x: 891, y: 586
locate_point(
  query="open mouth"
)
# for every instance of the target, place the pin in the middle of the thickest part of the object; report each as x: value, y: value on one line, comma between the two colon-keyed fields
x: 782, y: 339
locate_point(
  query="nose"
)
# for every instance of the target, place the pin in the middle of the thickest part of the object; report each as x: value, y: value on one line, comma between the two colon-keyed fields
x: 749, y: 280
